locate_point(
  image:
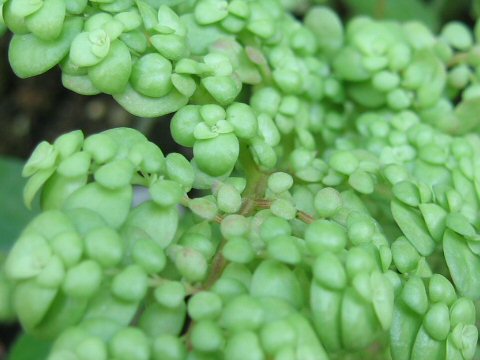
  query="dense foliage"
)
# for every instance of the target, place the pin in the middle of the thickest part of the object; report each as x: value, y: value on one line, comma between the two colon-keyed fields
x: 330, y: 209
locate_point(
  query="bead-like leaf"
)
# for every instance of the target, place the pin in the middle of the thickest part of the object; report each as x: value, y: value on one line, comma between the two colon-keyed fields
x: 157, y: 221
x: 382, y: 299
x: 325, y: 305
x: 464, y: 266
x: 308, y: 346
x: 426, y: 348
x: 272, y: 278
x: 32, y: 302
x: 143, y: 106
x: 68, y: 311
x: 112, y: 205
x: 47, y: 22
x: 413, y: 227
x: 358, y: 322
x: 112, y: 73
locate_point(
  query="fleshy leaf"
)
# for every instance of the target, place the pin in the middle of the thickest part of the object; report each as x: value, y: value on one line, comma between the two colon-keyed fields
x: 47, y: 54
x: 47, y: 22
x: 158, y: 222
x: 466, y: 116
x: 412, y: 225
x: 144, y: 106
x: 464, y: 266
x: 112, y: 205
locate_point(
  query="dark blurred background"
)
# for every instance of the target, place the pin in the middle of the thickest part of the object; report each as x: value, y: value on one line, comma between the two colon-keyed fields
x: 39, y: 108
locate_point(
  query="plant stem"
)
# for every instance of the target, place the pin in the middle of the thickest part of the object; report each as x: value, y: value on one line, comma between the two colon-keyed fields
x: 306, y: 218
x: 458, y: 58
x: 256, y: 185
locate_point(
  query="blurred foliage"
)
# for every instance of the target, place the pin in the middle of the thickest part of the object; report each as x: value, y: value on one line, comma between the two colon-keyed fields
x: 433, y: 13
x: 28, y: 348
x: 402, y: 10
x: 13, y: 213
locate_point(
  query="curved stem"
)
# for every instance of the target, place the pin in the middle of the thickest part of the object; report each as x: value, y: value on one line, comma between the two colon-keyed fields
x: 255, y: 188
x: 256, y: 185
x: 458, y: 58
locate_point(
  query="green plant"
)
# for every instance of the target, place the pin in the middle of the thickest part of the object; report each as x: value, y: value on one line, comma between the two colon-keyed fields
x: 330, y: 210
